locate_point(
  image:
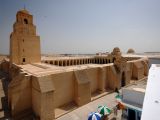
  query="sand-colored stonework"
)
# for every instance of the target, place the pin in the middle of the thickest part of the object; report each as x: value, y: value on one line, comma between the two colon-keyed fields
x: 24, y: 43
x: 40, y: 88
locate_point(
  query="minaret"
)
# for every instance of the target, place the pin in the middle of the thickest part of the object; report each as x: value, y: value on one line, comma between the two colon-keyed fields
x: 24, y: 43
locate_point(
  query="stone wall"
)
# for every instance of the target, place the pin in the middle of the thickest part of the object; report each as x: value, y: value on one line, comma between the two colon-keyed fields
x: 19, y: 94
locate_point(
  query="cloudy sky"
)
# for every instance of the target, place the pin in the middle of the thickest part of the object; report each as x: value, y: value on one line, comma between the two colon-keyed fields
x: 87, y: 26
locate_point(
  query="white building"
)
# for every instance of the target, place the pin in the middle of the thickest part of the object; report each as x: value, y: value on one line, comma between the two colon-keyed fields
x: 132, y: 98
x: 151, y: 105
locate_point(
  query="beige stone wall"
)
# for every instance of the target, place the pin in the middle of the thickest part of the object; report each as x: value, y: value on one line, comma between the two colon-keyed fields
x: 36, y: 97
x: 19, y: 94
x: 83, y: 94
x: 112, y: 78
x: 64, y: 88
x: 43, y: 103
x: 92, y: 74
x: 36, y: 101
x: 138, y: 70
x: 47, y: 109
x: 102, y: 79
x: 82, y: 85
x: 128, y: 72
x: 145, y: 63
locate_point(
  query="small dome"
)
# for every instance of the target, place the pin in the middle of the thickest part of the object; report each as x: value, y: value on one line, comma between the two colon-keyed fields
x: 130, y: 51
x: 24, y: 11
x: 116, y: 49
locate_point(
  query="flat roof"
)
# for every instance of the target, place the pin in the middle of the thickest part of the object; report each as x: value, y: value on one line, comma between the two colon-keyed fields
x: 50, y: 57
x: 138, y: 85
x: 65, y: 57
x: 41, y: 69
x: 133, y: 95
x: 151, y: 104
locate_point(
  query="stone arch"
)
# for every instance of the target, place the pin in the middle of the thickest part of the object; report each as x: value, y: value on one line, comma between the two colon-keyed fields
x: 25, y: 21
x: 60, y: 63
x: 74, y: 62
x: 123, y: 79
x: 68, y: 62
x: 51, y: 62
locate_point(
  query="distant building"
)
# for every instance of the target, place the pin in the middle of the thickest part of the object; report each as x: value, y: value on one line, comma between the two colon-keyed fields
x: 130, y: 51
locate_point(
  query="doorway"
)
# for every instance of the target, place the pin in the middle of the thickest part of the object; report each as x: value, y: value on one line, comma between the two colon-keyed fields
x: 123, y: 80
x: 131, y: 114
x: 24, y: 60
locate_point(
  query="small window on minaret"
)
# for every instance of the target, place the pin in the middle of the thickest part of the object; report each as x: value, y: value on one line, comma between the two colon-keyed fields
x: 24, y: 60
x: 25, y: 21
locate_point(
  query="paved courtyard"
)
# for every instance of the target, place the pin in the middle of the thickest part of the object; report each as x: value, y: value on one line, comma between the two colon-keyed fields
x: 82, y: 112
x: 109, y: 100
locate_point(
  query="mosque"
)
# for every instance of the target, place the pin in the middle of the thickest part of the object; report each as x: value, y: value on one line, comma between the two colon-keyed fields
x: 41, y: 85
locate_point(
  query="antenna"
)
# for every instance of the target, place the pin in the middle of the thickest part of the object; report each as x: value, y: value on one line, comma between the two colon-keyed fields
x: 24, y: 7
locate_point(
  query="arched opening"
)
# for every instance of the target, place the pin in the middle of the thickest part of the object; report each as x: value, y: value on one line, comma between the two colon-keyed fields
x: 67, y: 62
x: 104, y: 61
x: 60, y: 63
x: 78, y: 62
x: 25, y: 21
x: 123, y: 80
x: 51, y: 62
x: 23, y: 60
x: 74, y: 62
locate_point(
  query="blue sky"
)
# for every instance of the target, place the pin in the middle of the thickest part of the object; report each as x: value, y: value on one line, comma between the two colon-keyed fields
x: 87, y: 26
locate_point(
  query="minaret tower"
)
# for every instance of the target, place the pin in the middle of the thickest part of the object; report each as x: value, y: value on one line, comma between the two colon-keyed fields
x: 24, y: 43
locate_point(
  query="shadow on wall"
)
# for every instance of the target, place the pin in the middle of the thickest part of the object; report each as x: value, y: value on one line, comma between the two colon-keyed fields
x: 4, y: 81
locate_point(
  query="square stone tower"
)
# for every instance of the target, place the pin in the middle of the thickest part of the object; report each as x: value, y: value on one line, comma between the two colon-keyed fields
x: 24, y: 43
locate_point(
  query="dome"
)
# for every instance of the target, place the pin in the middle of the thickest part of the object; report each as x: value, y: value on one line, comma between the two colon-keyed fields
x: 24, y: 11
x: 116, y: 49
x: 130, y: 51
